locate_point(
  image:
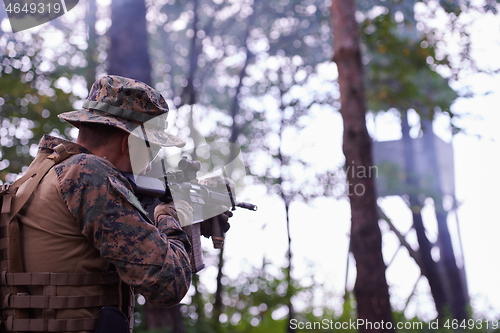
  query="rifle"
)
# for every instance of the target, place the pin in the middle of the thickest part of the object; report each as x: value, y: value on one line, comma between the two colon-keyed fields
x: 182, y: 184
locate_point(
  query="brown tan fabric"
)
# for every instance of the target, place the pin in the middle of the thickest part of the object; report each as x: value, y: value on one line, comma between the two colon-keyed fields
x: 47, y: 224
x: 30, y: 300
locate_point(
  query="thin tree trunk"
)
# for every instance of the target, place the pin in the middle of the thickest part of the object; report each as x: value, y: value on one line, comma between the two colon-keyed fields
x: 90, y: 75
x: 218, y: 306
x: 289, y: 291
x: 235, y: 128
x: 428, y: 266
x: 189, y: 94
x: 370, y: 289
x: 454, y: 284
x: 235, y: 132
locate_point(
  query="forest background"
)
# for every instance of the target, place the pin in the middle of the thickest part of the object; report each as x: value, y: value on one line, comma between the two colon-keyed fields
x: 261, y: 74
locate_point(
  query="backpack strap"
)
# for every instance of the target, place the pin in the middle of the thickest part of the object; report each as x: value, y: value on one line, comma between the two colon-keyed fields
x: 22, y: 189
x: 33, y: 178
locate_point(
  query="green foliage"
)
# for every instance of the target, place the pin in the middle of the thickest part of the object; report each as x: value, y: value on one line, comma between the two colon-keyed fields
x: 29, y: 105
x: 406, y: 57
x: 398, y: 69
x: 455, y: 7
x: 254, y: 303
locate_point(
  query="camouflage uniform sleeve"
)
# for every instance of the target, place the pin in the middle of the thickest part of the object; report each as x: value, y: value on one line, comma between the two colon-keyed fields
x: 153, y: 260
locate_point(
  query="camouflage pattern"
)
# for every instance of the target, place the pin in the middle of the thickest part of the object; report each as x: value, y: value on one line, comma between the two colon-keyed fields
x: 153, y: 259
x: 127, y: 104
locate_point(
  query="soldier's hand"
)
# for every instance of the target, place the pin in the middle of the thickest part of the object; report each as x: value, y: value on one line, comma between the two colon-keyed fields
x: 180, y: 210
x: 206, y: 227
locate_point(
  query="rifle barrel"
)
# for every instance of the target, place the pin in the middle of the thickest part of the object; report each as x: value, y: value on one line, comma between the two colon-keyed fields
x: 247, y: 205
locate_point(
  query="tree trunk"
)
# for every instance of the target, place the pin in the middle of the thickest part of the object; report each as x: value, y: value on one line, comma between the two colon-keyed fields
x: 189, y: 93
x: 454, y: 284
x: 129, y: 55
x: 289, y: 292
x: 428, y: 266
x: 370, y: 289
x: 90, y: 75
x: 218, y: 308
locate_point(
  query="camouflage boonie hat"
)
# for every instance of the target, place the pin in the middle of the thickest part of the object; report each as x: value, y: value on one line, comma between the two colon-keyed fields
x: 127, y: 104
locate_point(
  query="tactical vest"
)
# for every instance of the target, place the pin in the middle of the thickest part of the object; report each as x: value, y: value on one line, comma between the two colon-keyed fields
x: 16, y: 304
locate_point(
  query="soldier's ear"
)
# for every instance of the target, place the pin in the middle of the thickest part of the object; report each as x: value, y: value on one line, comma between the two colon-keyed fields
x: 124, y: 145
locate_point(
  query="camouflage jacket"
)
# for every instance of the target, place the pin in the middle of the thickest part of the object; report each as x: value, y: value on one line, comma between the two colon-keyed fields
x: 86, y: 203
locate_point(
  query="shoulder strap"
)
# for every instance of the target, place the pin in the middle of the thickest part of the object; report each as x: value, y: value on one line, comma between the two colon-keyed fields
x: 33, y: 178
x: 20, y: 195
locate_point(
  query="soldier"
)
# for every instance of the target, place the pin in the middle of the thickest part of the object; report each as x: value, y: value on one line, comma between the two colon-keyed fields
x: 84, y: 239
